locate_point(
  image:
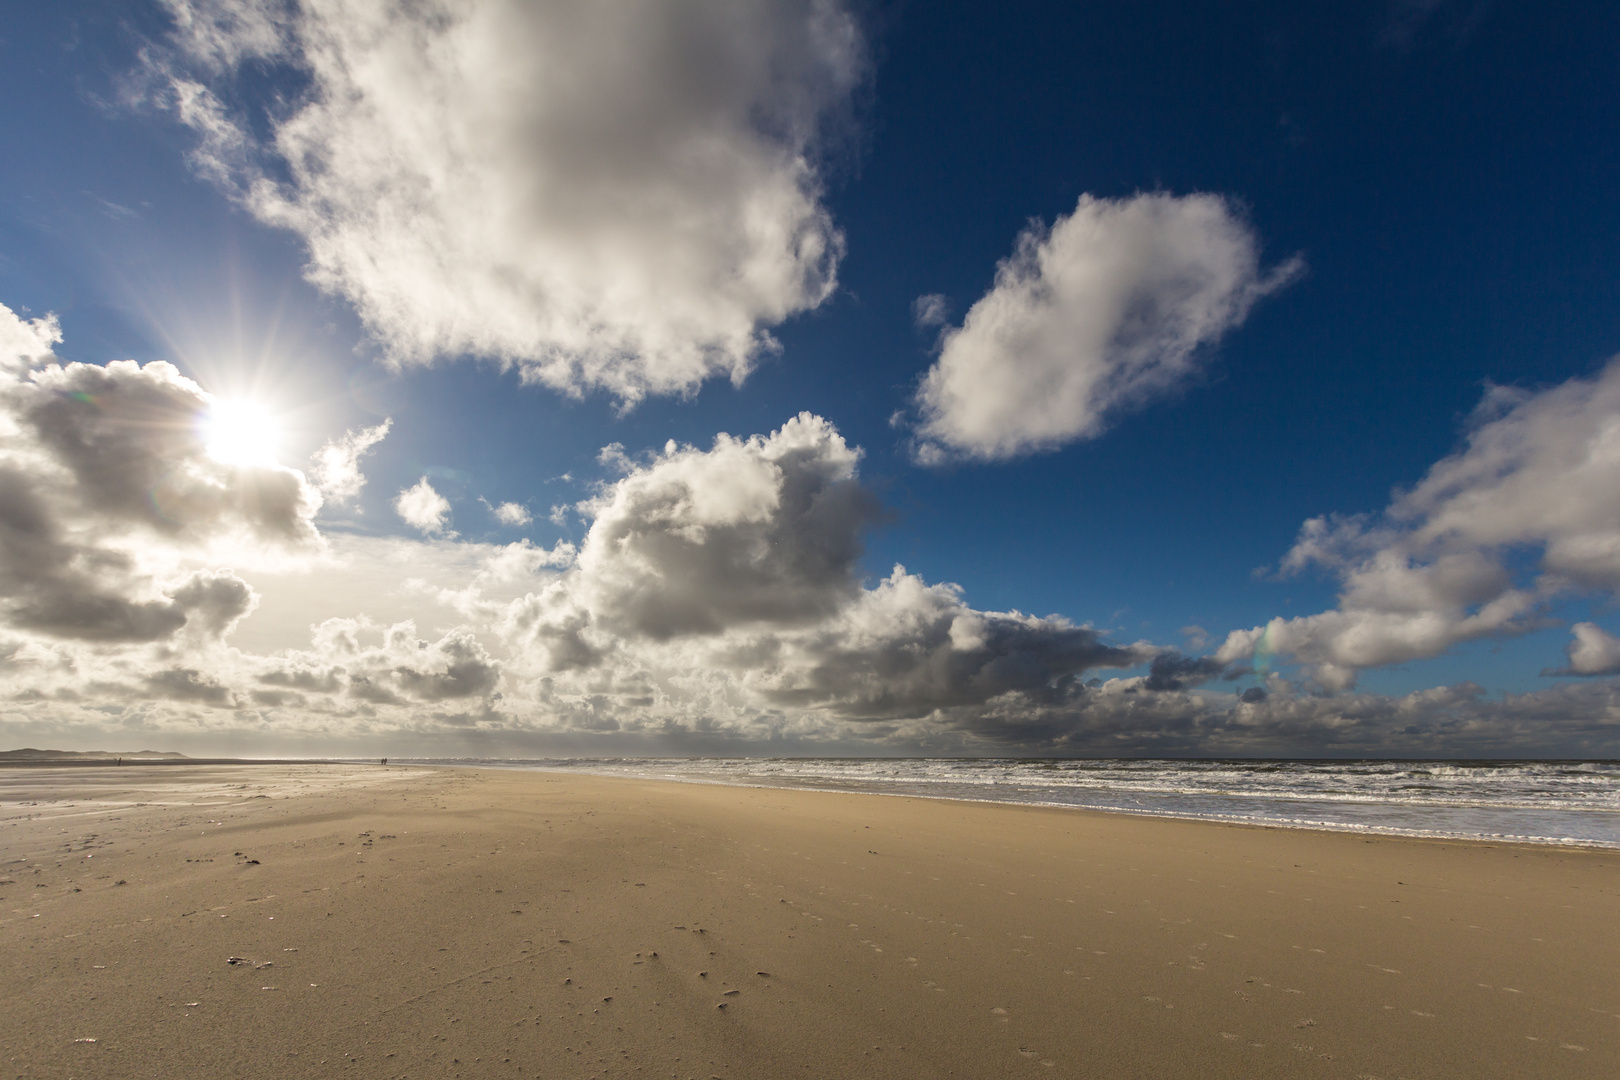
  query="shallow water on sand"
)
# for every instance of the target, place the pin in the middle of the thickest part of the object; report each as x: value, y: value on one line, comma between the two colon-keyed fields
x: 1565, y: 802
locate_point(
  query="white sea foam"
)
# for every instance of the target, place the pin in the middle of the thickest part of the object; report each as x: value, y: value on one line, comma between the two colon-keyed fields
x: 1559, y: 802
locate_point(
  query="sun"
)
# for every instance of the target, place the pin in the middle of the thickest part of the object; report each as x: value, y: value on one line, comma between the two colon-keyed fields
x: 241, y: 432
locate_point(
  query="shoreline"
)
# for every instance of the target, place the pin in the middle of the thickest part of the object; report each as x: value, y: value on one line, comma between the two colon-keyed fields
x: 1350, y: 829
x: 504, y: 923
x: 1347, y: 829
x: 1161, y: 815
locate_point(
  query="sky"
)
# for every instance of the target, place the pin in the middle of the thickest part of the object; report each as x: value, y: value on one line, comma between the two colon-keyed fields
x: 810, y: 377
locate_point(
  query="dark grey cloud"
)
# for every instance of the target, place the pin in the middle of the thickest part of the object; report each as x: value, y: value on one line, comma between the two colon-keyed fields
x: 190, y: 685
x: 931, y: 652
x: 394, y: 667
x: 368, y: 689
x: 325, y: 680
x: 456, y: 666
x: 129, y: 441
x: 742, y: 561
x: 214, y: 601
x: 716, y: 605
x: 278, y: 699
x: 96, y: 616
x: 106, y: 487
x: 1172, y: 671
x: 50, y: 584
x: 762, y: 530
x: 1121, y: 718
x: 551, y: 626
x: 53, y: 585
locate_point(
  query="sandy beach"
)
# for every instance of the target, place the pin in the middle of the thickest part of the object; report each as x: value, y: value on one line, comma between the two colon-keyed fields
x: 286, y: 921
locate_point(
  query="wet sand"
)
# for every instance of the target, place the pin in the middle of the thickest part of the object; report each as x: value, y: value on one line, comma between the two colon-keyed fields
x: 289, y: 921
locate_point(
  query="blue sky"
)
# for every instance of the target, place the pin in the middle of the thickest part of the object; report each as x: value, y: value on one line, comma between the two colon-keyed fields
x: 1113, y: 300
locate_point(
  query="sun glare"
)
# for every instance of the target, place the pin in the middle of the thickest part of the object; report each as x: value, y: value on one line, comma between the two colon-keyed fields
x: 239, y: 432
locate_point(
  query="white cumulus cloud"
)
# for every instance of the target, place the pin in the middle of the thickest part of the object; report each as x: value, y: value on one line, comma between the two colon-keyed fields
x: 727, y: 581
x: 423, y: 508
x: 608, y: 195
x: 718, y: 602
x: 1097, y: 314
x: 26, y: 343
x: 1592, y: 651
x: 718, y: 591
x: 335, y: 466
x: 1540, y: 472
x: 514, y: 515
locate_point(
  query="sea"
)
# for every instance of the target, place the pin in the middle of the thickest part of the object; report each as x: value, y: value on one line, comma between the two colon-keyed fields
x: 1572, y: 803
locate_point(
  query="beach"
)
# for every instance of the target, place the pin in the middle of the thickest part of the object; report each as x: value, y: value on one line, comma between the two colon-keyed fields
x: 371, y: 921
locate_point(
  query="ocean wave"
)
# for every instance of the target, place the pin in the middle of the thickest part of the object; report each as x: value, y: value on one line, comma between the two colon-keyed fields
x: 1557, y: 802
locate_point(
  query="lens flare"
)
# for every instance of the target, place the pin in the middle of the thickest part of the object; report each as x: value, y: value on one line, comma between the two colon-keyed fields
x: 241, y: 432
x: 1265, y: 649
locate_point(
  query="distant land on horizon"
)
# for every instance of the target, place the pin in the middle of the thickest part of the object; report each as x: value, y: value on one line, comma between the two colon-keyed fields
x: 28, y: 756
x: 28, y: 753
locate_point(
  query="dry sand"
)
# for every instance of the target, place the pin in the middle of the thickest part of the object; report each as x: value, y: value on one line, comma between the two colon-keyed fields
x: 437, y: 923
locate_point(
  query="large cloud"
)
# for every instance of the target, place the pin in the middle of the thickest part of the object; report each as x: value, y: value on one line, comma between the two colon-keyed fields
x: 906, y: 650
x: 717, y: 589
x: 717, y: 603
x: 106, y: 488
x: 725, y: 583
x: 122, y: 443
x: 766, y: 529
x: 618, y: 195
x: 1095, y: 315
x: 1539, y: 474
x: 399, y: 669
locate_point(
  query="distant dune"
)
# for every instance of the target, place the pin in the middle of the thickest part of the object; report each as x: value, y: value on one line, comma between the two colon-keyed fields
x: 28, y: 753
